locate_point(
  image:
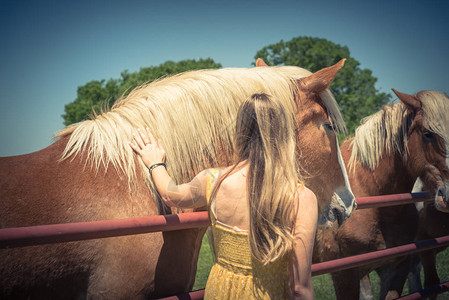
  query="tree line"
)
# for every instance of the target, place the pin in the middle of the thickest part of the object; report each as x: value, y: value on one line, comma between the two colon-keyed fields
x: 353, y: 87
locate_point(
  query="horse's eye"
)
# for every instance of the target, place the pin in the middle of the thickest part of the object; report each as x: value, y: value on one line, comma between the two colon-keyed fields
x: 329, y: 126
x: 428, y: 136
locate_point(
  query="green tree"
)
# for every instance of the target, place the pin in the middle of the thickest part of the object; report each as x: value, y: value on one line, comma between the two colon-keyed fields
x: 353, y: 87
x: 98, y: 94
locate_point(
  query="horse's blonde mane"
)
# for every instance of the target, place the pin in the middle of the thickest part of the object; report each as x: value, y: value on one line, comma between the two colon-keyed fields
x: 192, y: 114
x: 387, y: 129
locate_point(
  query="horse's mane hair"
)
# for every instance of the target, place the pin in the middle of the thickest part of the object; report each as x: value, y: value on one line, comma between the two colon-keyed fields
x: 388, y: 128
x: 192, y: 114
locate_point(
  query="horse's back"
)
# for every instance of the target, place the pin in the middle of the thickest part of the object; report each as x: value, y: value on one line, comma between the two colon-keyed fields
x: 26, y: 189
x: 39, y: 188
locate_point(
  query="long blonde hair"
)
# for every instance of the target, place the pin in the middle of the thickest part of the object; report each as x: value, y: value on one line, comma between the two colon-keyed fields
x: 265, y: 137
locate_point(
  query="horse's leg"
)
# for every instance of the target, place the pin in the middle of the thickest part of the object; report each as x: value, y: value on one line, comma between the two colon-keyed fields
x: 126, y: 268
x: 414, y: 276
x: 152, y: 265
x: 428, y: 259
x: 386, y: 274
x: 365, y: 288
x: 177, y: 264
x: 392, y: 278
x: 146, y: 266
x: 346, y: 284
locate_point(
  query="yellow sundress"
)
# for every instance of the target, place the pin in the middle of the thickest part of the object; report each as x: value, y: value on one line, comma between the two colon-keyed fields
x: 235, y: 273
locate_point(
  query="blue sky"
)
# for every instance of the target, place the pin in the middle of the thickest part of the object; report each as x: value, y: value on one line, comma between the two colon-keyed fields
x: 49, y: 48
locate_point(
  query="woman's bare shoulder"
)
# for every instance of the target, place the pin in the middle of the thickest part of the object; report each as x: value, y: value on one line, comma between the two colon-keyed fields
x: 305, y: 201
x: 305, y: 194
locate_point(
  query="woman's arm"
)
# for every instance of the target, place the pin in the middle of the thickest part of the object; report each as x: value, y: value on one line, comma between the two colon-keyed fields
x: 300, y: 276
x: 188, y: 195
x: 191, y: 195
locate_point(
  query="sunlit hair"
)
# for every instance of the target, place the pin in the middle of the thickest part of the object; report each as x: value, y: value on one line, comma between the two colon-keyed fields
x: 265, y: 138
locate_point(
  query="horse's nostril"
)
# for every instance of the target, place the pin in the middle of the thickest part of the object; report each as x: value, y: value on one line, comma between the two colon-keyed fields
x: 440, y: 193
x: 339, y: 216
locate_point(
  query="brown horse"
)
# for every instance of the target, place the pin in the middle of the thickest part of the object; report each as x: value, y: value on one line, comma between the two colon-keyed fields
x: 389, y: 151
x: 432, y: 224
x: 91, y: 173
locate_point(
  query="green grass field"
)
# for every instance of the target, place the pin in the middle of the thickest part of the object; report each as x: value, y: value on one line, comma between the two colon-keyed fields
x: 322, y: 284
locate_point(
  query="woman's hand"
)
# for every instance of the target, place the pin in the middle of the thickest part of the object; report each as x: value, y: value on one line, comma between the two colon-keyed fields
x: 188, y: 195
x: 147, y: 147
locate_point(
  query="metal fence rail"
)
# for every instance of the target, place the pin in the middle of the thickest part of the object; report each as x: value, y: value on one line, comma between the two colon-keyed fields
x: 364, y: 259
x: 432, y: 291
x: 58, y: 233
x: 391, y: 200
x: 349, y: 262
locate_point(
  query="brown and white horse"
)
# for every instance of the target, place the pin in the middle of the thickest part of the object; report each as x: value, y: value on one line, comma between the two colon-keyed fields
x: 91, y: 173
x: 389, y: 151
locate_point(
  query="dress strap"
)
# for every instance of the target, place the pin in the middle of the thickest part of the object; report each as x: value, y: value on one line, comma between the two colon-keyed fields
x: 211, y: 179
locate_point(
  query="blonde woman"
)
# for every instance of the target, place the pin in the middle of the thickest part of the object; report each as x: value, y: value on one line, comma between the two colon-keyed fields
x: 263, y: 219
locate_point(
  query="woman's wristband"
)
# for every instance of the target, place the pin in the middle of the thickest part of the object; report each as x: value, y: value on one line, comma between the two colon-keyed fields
x: 155, y: 166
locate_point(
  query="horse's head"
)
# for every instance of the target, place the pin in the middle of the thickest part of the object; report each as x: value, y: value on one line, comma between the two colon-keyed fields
x: 318, y: 150
x: 322, y: 166
x: 428, y: 142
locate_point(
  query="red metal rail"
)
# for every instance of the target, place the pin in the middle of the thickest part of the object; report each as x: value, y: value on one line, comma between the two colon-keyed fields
x: 45, y: 234
x: 434, y: 290
x: 58, y: 233
x: 391, y: 200
x: 364, y: 259
x: 340, y: 264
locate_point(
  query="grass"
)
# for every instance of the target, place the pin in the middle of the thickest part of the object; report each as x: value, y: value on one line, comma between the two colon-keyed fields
x: 322, y: 284
x: 205, y: 263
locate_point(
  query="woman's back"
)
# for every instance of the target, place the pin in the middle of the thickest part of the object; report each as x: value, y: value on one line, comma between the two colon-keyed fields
x: 236, y: 273
x: 231, y: 201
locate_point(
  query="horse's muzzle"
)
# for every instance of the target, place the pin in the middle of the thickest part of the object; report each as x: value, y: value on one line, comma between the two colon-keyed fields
x: 339, y: 209
x: 442, y: 198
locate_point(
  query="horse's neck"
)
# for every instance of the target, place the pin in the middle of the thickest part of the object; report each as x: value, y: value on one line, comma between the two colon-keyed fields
x: 389, y: 177
x: 392, y: 175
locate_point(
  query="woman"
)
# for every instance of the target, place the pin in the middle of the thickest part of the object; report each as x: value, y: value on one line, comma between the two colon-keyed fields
x: 263, y: 219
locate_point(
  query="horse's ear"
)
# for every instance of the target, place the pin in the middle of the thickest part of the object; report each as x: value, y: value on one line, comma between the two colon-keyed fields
x: 411, y: 102
x: 261, y: 63
x: 320, y: 80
